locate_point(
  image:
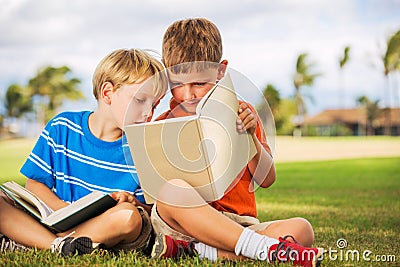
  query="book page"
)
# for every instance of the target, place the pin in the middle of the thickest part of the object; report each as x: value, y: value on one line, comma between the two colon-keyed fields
x: 228, y: 150
x: 23, y: 203
x: 29, y: 197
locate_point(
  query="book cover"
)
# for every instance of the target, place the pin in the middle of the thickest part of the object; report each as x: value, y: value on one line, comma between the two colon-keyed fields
x: 63, y: 219
x: 205, y: 150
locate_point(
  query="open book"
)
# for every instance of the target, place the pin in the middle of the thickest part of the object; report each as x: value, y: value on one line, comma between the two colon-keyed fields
x: 63, y: 219
x: 205, y: 150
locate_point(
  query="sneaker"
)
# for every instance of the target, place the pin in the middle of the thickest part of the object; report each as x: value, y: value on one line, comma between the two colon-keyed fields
x: 286, y: 251
x: 68, y: 246
x: 166, y: 247
x: 6, y: 244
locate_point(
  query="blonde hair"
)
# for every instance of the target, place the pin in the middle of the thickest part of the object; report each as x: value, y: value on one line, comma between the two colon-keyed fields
x: 129, y: 66
x: 191, y: 40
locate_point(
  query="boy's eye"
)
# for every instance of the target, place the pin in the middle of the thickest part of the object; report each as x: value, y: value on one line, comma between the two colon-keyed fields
x: 200, y: 84
x: 139, y: 100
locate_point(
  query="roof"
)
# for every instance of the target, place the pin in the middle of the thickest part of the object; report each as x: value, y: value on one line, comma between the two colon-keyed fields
x: 394, y: 117
x: 351, y: 116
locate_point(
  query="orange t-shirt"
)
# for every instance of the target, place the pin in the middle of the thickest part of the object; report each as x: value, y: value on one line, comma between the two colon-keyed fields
x: 240, y: 199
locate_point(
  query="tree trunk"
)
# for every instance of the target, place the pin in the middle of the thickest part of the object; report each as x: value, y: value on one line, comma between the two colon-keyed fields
x: 388, y: 119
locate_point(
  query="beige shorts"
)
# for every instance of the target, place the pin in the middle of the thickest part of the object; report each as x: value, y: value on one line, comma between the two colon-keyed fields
x: 161, y: 227
x: 143, y: 241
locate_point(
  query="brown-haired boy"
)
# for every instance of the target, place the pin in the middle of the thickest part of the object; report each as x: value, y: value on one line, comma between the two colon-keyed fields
x: 79, y: 152
x: 227, y: 228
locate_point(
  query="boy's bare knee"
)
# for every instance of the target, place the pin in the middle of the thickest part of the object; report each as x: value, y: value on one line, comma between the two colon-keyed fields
x: 305, y: 227
x: 127, y: 218
x: 176, y: 185
x: 297, y: 227
x: 179, y: 182
x: 177, y: 192
x: 305, y: 224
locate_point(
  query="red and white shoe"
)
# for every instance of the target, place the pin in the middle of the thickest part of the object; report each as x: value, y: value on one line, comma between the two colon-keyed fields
x: 167, y: 247
x: 286, y: 251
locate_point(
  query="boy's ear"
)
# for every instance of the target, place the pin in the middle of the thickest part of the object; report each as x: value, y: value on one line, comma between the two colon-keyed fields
x: 222, y: 69
x: 106, y: 90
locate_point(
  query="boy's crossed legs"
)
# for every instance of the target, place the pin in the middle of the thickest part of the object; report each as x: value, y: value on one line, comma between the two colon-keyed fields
x: 24, y: 231
x: 199, y: 221
x: 121, y: 227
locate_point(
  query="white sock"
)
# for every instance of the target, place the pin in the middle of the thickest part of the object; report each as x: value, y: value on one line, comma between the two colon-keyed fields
x: 254, y: 245
x: 206, y: 251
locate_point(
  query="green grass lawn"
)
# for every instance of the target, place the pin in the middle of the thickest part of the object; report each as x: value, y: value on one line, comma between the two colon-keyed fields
x: 13, y: 154
x: 356, y: 200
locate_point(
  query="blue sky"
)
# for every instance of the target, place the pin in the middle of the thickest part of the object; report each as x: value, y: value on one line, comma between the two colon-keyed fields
x: 261, y: 39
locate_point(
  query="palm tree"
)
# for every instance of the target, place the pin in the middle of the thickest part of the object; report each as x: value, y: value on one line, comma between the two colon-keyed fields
x: 372, y: 112
x: 342, y: 62
x: 391, y: 63
x: 272, y: 96
x: 17, y: 101
x: 54, y: 85
x: 272, y: 99
x: 303, y: 77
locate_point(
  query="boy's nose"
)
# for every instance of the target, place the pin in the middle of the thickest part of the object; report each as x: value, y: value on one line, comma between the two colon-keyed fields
x: 147, y: 111
x: 188, y: 92
x: 147, y: 116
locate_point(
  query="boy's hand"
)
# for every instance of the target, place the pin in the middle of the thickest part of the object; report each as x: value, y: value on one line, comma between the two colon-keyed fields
x: 247, y: 120
x: 124, y: 197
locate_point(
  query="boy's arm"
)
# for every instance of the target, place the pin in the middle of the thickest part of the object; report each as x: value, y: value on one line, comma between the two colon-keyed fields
x: 262, y: 165
x: 45, y: 194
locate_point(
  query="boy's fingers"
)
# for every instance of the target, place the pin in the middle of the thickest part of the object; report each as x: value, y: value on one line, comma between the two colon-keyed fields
x: 246, y: 112
x: 246, y: 116
x: 242, y: 127
x: 242, y: 107
x: 246, y: 119
x: 249, y: 123
x: 115, y: 195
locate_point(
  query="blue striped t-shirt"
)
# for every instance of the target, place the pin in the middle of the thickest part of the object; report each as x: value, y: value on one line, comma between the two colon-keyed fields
x: 72, y: 162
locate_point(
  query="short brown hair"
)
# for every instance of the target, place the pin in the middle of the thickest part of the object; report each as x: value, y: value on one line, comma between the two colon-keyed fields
x: 128, y: 66
x: 190, y: 40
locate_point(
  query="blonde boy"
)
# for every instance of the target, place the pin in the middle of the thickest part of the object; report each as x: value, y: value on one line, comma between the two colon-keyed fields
x: 227, y: 228
x: 79, y: 152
